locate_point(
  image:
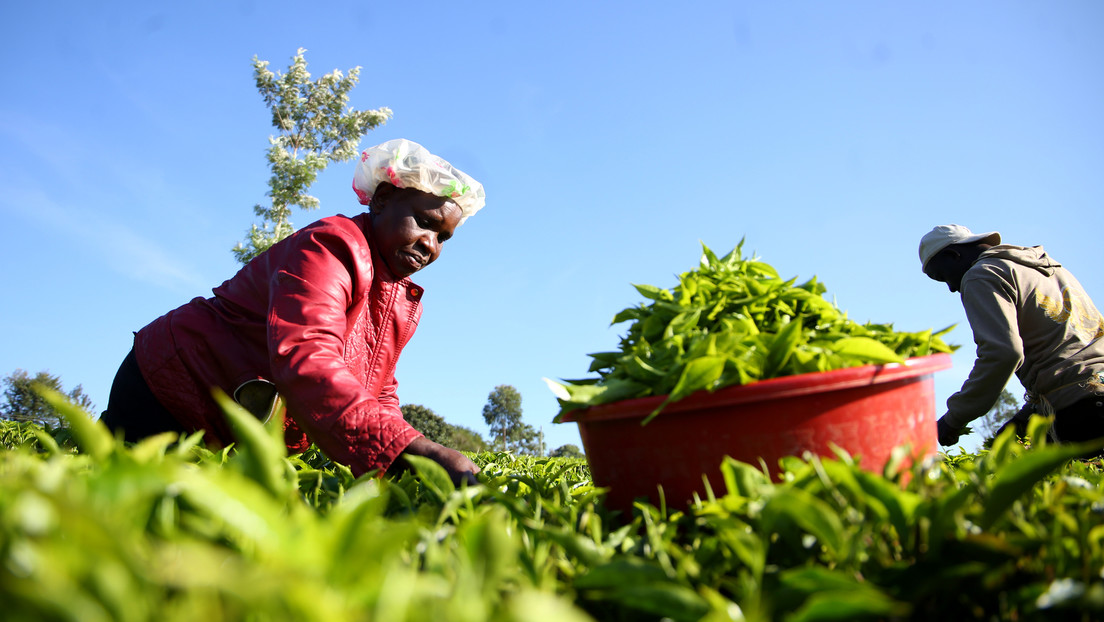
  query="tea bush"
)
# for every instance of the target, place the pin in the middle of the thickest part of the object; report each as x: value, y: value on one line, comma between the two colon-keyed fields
x: 169, y: 529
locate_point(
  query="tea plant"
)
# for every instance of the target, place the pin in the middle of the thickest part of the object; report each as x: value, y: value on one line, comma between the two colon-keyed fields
x: 169, y: 529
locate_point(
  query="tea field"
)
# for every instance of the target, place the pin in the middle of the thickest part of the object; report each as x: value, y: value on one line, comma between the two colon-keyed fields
x: 93, y: 530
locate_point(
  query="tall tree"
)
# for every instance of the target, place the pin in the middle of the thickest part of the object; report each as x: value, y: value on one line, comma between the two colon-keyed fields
x: 502, y: 413
x: 314, y: 128
x: 526, y: 440
x: 23, y: 403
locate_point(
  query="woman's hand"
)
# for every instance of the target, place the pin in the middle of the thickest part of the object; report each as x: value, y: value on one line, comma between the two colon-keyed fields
x: 460, y: 468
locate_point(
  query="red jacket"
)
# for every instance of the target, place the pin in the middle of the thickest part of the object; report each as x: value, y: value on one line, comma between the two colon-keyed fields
x: 321, y: 316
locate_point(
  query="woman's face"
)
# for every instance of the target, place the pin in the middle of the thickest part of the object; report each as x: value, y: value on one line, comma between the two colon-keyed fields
x: 409, y: 226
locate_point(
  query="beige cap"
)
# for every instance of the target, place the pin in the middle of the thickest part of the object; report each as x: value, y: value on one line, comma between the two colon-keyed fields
x: 945, y: 235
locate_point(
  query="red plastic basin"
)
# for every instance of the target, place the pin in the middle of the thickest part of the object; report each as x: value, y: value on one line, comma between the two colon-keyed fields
x: 867, y: 411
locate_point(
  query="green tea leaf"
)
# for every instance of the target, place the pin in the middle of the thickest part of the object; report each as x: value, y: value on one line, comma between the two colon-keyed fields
x: 808, y: 512
x: 620, y: 572
x: 534, y: 606
x: 1016, y: 478
x: 782, y: 347
x: 259, y: 452
x: 92, y: 436
x: 743, y: 479
x: 699, y: 374
x: 900, y: 504
x: 866, y: 349
x: 434, y: 476
x: 667, y: 600
x: 851, y: 605
x: 652, y: 292
x: 823, y: 594
x: 574, y: 396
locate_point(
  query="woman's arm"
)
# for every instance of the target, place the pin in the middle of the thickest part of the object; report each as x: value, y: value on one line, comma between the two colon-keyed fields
x: 310, y: 296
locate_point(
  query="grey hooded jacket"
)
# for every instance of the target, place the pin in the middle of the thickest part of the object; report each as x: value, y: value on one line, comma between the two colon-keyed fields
x: 1029, y: 316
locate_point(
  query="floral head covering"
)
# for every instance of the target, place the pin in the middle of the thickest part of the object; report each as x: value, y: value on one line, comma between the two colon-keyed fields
x: 406, y: 164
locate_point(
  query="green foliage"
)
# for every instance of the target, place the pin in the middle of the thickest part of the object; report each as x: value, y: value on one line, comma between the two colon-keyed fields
x: 436, y: 429
x: 35, y: 438
x: 427, y: 422
x: 168, y: 529
x: 527, y: 440
x: 466, y: 439
x: 733, y: 321
x: 566, y: 451
x: 23, y: 403
x: 315, y: 127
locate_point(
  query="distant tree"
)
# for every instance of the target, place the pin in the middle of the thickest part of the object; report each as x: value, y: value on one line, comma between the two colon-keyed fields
x: 1007, y: 405
x: 466, y: 439
x: 23, y: 403
x: 526, y: 440
x: 427, y: 422
x: 315, y: 128
x: 440, y: 431
x: 567, y: 451
x: 502, y: 413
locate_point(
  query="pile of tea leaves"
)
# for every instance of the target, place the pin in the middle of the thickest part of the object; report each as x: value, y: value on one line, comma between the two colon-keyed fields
x: 733, y: 321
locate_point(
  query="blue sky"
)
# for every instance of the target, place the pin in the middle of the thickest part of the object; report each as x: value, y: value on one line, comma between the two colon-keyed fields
x: 613, y: 138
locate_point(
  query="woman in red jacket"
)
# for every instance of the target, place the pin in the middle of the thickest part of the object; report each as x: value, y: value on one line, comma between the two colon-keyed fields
x: 319, y: 318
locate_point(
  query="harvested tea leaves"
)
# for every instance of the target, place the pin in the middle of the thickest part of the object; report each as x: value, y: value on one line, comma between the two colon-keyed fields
x: 733, y: 321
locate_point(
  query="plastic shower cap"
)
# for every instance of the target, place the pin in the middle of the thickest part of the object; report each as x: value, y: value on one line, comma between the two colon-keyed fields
x: 406, y: 164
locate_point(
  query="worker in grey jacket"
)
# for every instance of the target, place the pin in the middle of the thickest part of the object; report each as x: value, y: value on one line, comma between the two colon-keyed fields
x: 1029, y: 316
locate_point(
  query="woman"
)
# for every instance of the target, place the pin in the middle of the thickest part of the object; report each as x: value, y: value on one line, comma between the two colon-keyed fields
x: 321, y: 318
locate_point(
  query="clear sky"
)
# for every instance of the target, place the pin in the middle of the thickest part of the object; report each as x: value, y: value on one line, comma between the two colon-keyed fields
x: 612, y: 138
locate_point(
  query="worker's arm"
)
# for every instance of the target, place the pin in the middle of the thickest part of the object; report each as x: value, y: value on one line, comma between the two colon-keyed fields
x: 990, y: 304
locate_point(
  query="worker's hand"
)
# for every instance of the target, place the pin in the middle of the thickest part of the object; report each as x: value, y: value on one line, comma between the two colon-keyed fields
x: 947, y: 435
x: 460, y: 468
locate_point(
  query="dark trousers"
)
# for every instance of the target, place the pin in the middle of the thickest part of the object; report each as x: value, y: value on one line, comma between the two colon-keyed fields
x: 132, y: 407
x: 1081, y: 421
